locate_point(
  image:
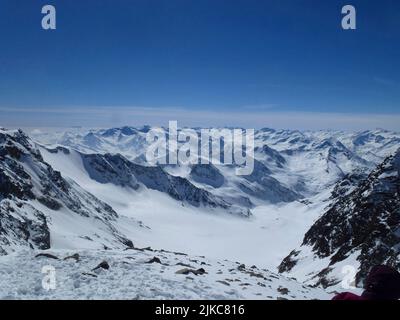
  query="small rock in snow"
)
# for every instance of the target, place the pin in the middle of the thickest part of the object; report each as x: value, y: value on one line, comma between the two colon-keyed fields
x: 46, y: 255
x: 104, y: 265
x: 154, y: 260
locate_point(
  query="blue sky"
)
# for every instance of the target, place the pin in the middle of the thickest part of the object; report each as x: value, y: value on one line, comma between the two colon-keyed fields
x: 125, y: 62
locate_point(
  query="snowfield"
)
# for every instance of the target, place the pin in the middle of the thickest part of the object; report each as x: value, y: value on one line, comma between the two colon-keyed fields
x: 131, y: 275
x: 91, y: 194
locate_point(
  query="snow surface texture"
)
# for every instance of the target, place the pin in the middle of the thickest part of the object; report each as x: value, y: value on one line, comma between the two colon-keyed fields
x: 258, y: 219
x: 142, y: 274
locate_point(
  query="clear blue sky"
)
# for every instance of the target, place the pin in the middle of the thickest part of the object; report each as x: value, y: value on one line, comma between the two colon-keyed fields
x: 232, y: 57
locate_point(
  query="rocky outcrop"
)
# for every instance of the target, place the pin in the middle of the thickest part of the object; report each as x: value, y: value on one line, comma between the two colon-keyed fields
x: 30, y: 189
x: 364, y: 223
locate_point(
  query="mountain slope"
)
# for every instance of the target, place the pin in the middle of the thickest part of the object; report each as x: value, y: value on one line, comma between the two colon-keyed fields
x: 36, y: 202
x: 119, y: 171
x: 362, y: 226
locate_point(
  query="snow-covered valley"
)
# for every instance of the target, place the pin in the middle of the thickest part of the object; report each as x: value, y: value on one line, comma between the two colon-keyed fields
x: 91, y: 192
x: 273, y: 228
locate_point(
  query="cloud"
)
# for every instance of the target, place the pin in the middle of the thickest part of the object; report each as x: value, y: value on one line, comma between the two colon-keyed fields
x: 108, y: 116
x: 260, y: 107
x: 36, y: 131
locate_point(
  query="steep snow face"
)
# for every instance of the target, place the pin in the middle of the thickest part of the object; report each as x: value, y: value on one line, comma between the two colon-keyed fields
x: 142, y: 274
x: 39, y: 208
x: 361, y: 226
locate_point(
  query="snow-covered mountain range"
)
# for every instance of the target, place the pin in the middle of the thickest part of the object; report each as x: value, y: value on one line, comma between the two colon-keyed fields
x: 314, y: 202
x: 303, y: 161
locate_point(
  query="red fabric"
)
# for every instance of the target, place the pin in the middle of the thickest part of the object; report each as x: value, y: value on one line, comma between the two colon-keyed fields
x: 347, y: 296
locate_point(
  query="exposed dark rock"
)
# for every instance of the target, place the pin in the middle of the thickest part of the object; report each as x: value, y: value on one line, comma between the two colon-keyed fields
x: 289, y: 262
x: 154, y: 260
x: 103, y: 265
x: 22, y: 221
x: 255, y: 274
x: 283, y: 290
x: 261, y: 184
x: 120, y: 171
x: 17, y: 229
x: 174, y: 252
x: 364, y: 219
x: 323, y: 280
x: 128, y: 243
x: 207, y: 174
x: 50, y: 203
x: 142, y: 249
x: 187, y: 271
x: 47, y: 255
x: 89, y: 274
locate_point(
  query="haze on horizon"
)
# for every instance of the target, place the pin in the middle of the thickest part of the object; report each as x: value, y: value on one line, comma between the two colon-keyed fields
x: 279, y: 64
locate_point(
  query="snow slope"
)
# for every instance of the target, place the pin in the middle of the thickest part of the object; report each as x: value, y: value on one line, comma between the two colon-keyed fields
x: 360, y: 229
x: 39, y: 208
x: 131, y: 276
